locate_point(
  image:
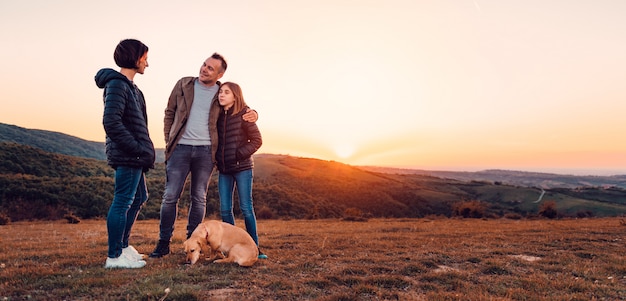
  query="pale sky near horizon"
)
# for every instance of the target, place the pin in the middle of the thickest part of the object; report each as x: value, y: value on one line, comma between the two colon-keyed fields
x: 445, y: 85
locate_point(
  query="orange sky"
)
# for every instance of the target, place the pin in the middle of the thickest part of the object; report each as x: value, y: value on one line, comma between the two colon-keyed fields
x: 450, y: 84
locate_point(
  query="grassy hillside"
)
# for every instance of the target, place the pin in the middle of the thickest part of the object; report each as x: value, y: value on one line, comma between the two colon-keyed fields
x: 56, y: 142
x: 52, y: 142
x: 35, y: 184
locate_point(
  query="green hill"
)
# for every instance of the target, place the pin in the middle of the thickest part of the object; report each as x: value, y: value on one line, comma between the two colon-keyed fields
x: 52, y: 142
x: 35, y: 184
x: 56, y: 142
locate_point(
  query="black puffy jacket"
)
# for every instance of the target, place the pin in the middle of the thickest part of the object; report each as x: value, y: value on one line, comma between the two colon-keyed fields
x: 238, y: 140
x: 125, y: 122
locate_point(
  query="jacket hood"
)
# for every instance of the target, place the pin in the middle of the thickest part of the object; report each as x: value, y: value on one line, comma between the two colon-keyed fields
x: 107, y: 74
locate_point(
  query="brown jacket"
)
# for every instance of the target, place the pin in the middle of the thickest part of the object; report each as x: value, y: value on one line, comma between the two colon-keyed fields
x: 177, y: 114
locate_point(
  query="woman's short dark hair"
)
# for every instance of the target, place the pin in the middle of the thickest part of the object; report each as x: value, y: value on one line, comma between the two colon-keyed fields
x: 128, y: 52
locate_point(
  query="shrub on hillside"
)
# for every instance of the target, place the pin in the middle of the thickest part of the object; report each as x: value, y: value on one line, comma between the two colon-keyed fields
x: 469, y: 209
x: 264, y: 212
x: 4, y: 219
x: 514, y: 216
x: 584, y: 213
x: 354, y: 214
x: 71, y: 218
x: 548, y: 209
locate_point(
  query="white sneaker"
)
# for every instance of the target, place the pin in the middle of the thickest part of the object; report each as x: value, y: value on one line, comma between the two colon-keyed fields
x: 132, y: 253
x: 124, y: 262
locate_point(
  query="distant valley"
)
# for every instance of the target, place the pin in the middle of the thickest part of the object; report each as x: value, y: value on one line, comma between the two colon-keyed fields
x: 519, y: 178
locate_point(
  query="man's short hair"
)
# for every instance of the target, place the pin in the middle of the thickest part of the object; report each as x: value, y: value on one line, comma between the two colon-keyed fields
x: 128, y: 52
x: 219, y: 57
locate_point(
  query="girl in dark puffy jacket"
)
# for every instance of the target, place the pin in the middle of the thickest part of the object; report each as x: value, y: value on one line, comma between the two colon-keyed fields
x: 238, y: 140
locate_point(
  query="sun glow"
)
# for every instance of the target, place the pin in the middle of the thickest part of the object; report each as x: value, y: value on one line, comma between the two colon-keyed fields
x: 344, y: 151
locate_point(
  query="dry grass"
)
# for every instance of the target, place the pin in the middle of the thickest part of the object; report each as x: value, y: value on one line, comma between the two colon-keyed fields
x: 381, y: 259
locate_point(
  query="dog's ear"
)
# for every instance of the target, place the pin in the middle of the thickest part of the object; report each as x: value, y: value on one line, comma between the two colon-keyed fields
x: 206, y: 232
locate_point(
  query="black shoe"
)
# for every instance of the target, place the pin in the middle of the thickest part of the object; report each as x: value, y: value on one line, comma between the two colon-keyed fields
x: 162, y: 249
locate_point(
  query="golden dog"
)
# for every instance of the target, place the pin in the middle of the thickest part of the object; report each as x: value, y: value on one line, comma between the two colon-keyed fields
x: 213, y: 238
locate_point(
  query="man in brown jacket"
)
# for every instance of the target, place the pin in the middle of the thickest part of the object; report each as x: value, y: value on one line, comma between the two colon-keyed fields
x: 191, y: 142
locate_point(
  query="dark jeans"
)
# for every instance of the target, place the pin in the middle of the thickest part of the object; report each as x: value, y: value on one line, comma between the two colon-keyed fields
x: 130, y: 194
x: 185, y: 160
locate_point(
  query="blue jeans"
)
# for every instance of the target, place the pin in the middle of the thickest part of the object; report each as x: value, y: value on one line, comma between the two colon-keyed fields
x: 226, y: 186
x: 184, y: 160
x: 130, y: 194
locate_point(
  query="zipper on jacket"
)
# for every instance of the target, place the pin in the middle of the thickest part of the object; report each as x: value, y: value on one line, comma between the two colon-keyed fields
x: 223, y: 139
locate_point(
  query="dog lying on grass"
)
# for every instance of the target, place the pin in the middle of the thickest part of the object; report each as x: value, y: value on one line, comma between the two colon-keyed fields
x: 215, y: 238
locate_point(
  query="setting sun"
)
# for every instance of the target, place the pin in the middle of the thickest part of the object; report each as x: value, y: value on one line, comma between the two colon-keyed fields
x: 344, y: 151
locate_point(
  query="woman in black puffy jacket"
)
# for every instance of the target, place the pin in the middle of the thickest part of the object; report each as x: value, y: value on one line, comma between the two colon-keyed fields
x: 238, y: 140
x: 129, y: 148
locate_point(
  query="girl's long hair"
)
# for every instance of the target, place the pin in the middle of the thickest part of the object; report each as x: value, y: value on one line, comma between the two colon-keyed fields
x: 240, y: 103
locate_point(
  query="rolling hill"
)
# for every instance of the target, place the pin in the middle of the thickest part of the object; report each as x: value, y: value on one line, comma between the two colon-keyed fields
x: 56, y: 142
x: 35, y: 184
x: 44, y: 175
